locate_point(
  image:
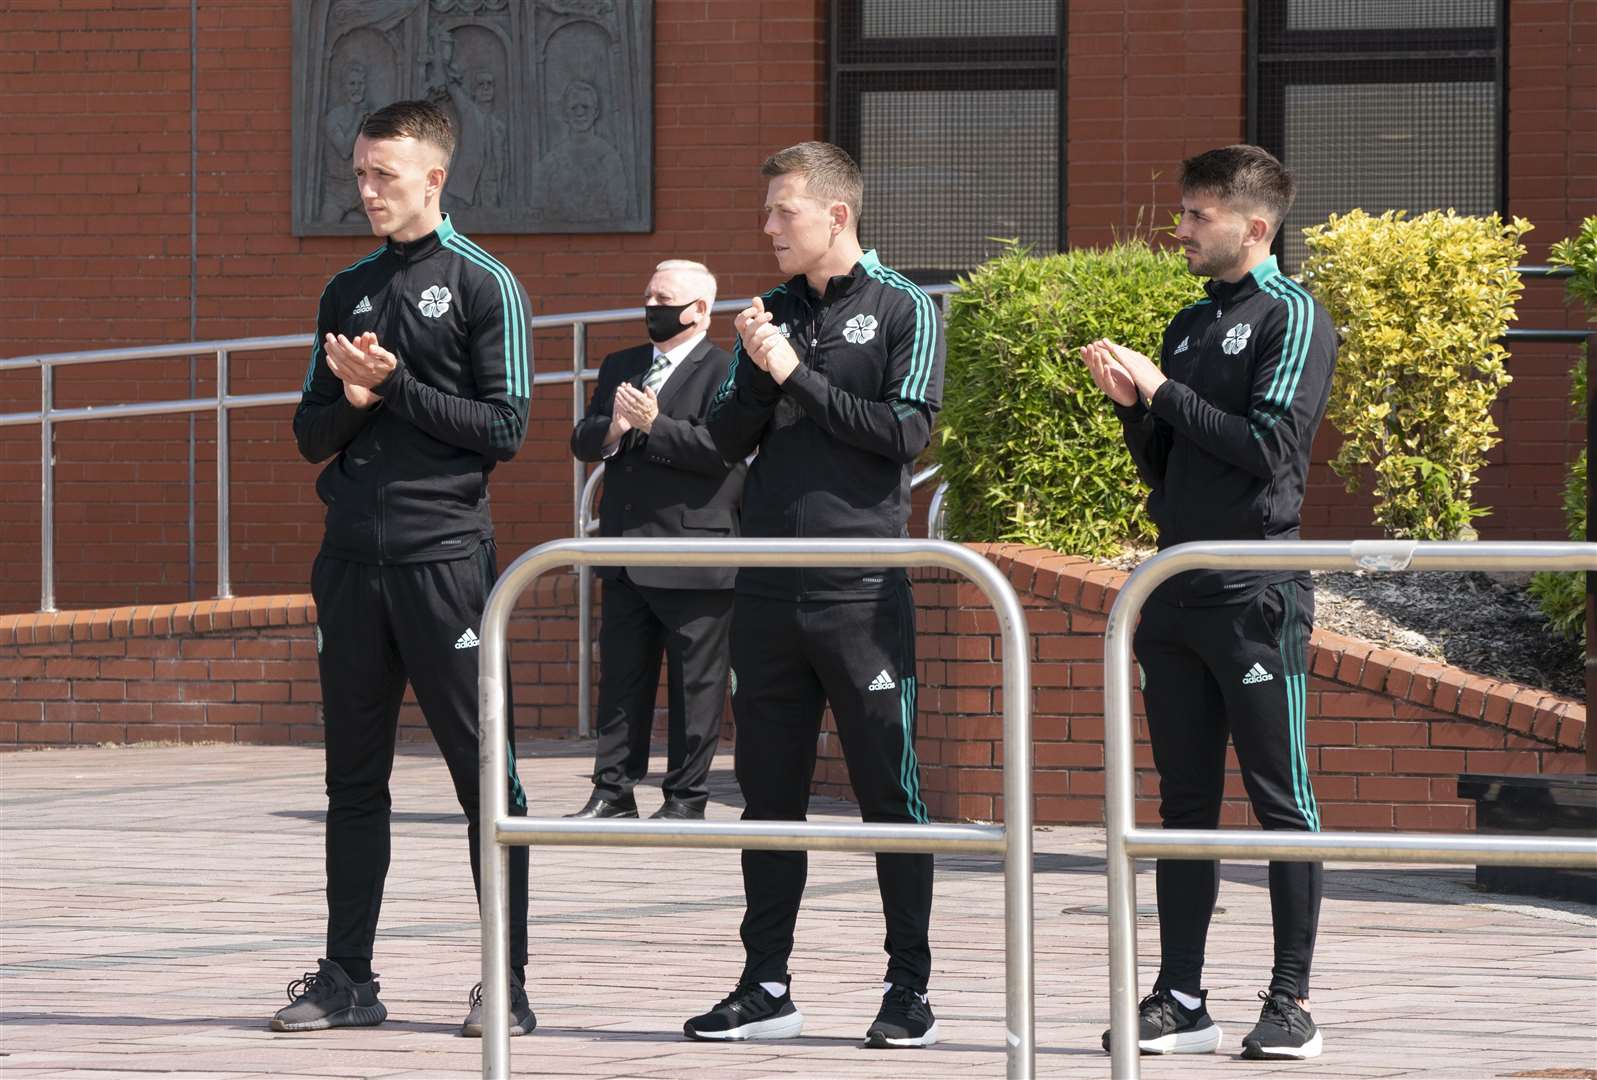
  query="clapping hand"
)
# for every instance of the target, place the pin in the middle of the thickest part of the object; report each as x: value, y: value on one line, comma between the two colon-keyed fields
x: 636, y: 408
x: 764, y: 342
x: 1122, y: 373
x: 360, y: 364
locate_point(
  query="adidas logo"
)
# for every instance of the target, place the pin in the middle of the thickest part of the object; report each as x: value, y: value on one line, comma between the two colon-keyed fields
x: 883, y: 681
x: 468, y: 640
x: 364, y: 307
x: 1256, y: 674
x: 1183, y: 346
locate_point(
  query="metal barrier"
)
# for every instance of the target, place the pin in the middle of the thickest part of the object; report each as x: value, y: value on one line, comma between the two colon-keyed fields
x: 588, y: 524
x: 936, y: 525
x: 1012, y: 839
x: 1125, y: 842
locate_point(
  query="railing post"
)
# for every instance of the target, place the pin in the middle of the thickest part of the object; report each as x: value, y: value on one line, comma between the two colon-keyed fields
x: 1119, y: 816
x: 585, y: 527
x: 579, y: 364
x: 46, y: 488
x: 1012, y: 840
x: 1125, y: 841
x: 224, y: 499
x: 584, y: 650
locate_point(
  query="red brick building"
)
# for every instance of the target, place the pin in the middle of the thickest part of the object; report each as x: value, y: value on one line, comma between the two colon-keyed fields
x: 146, y: 197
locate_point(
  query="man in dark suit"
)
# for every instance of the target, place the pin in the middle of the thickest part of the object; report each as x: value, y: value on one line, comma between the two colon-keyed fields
x: 663, y: 477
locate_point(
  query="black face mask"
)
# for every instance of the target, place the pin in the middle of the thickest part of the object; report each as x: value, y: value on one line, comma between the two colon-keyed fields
x: 665, y: 320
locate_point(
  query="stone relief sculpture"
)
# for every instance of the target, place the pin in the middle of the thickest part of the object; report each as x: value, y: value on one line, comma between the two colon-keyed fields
x: 340, y: 201
x: 553, y: 102
x: 582, y: 177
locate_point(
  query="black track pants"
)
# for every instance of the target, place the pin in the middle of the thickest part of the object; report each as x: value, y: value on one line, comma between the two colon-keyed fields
x: 376, y: 627
x: 1237, y: 670
x: 789, y: 659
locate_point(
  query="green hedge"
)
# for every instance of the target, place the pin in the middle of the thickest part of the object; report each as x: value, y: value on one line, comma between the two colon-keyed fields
x: 1562, y: 597
x: 1031, y: 449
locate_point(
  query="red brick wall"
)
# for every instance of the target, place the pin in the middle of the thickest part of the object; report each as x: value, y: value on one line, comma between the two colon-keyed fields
x: 240, y: 670
x: 96, y: 201
x: 1388, y: 734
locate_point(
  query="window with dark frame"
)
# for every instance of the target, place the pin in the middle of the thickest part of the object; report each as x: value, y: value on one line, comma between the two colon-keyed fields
x: 1379, y: 105
x: 952, y: 109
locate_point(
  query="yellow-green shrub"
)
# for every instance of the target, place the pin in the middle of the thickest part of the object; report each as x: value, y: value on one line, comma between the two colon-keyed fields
x: 1031, y: 449
x: 1420, y: 304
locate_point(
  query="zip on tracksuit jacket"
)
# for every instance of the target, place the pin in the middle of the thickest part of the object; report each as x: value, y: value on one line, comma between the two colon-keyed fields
x: 410, y: 480
x: 1224, y: 444
x: 837, y: 439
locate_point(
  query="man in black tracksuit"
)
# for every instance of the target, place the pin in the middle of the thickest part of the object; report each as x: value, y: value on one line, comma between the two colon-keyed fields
x: 837, y: 377
x: 418, y: 385
x: 1221, y: 431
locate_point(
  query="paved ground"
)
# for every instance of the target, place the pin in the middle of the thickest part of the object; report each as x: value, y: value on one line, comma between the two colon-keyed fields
x: 154, y: 902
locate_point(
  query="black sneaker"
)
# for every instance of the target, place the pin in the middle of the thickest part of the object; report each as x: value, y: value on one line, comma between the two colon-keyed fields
x: 748, y: 1013
x: 905, y: 1020
x: 1165, y: 1026
x: 1284, y: 1030
x: 329, y: 998
x: 522, y: 1020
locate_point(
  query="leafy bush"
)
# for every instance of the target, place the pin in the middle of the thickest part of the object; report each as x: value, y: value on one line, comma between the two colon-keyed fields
x: 1421, y: 304
x: 1031, y: 449
x: 1562, y: 597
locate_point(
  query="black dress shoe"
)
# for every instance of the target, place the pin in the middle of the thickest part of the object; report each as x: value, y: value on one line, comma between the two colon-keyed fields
x: 600, y: 807
x: 677, y: 808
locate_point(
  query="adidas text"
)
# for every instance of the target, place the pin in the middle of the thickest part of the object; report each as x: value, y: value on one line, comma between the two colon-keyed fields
x: 364, y: 307
x: 883, y: 681
x: 1256, y: 674
x: 468, y: 640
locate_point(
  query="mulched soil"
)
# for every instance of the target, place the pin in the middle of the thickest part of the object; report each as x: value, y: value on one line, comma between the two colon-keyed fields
x: 1484, y: 623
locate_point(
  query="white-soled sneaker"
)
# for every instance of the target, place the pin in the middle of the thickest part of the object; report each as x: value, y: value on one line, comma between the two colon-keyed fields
x: 1165, y: 1026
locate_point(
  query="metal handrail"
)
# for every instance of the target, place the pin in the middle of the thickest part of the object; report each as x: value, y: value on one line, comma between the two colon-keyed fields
x: 47, y: 415
x: 1012, y: 839
x: 1125, y: 842
x: 588, y: 525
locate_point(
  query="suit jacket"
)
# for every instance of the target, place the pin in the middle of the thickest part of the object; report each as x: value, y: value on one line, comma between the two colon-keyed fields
x: 671, y: 481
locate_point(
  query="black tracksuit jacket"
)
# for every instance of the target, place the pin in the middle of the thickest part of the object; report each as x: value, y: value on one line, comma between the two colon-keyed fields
x: 1224, y: 444
x: 410, y: 480
x: 837, y: 439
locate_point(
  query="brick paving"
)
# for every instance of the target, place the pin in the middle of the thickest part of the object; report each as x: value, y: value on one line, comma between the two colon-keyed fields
x: 155, y: 900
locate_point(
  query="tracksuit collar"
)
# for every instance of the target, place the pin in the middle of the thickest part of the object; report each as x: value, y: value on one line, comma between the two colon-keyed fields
x: 1227, y: 292
x: 840, y: 285
x: 411, y: 250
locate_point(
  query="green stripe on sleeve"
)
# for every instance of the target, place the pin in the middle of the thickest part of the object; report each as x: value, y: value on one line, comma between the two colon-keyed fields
x: 515, y: 331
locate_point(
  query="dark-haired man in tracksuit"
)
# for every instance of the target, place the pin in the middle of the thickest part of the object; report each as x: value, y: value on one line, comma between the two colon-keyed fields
x: 1221, y: 431
x: 836, y: 379
x: 418, y: 385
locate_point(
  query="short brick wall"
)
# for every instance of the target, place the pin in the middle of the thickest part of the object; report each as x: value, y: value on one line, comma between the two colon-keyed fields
x: 1388, y: 732
x: 241, y: 670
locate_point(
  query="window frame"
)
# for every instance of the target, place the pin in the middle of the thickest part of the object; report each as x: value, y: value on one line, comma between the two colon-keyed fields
x: 1459, y: 54
x: 857, y: 65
